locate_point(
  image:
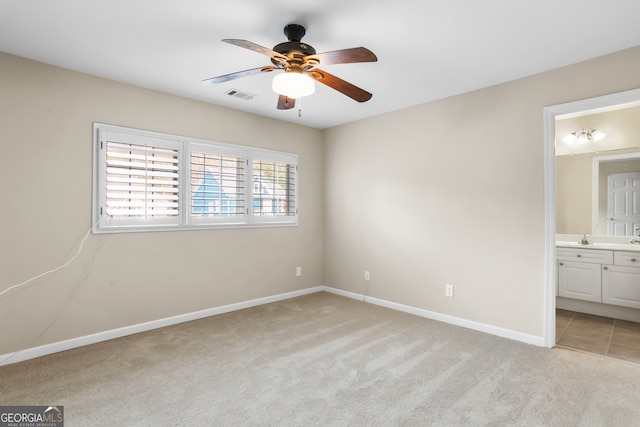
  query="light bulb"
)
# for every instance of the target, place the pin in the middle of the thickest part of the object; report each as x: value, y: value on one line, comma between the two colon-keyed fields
x: 570, y: 138
x: 583, y: 138
x: 598, y: 136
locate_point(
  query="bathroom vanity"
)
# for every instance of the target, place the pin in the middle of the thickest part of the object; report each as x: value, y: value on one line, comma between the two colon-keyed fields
x: 605, y: 275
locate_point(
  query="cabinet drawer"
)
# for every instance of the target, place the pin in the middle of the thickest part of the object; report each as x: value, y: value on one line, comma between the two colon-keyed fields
x: 628, y: 259
x: 585, y: 255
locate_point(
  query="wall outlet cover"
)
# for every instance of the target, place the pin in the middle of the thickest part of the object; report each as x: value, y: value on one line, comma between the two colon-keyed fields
x: 448, y: 291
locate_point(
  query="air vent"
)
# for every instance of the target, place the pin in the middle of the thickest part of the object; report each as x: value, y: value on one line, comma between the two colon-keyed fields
x: 240, y: 94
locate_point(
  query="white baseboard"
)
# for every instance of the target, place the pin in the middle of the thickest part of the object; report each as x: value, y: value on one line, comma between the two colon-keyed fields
x: 599, y: 309
x: 34, y: 352
x: 469, y: 324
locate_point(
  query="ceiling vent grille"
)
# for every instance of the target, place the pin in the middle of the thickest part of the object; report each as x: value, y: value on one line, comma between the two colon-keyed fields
x: 240, y: 94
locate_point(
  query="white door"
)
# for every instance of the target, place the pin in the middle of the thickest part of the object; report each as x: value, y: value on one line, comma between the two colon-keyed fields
x: 623, y: 207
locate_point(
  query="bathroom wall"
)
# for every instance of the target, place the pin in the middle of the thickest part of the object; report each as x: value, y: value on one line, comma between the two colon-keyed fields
x: 574, y: 165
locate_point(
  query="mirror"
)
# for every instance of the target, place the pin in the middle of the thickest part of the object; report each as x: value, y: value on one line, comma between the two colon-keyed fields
x: 583, y: 171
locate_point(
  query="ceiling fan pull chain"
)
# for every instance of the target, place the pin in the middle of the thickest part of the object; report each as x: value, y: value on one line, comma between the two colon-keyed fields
x: 300, y: 107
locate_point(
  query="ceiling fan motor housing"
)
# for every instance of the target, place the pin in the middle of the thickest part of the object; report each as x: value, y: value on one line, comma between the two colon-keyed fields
x: 294, y: 33
x: 286, y: 47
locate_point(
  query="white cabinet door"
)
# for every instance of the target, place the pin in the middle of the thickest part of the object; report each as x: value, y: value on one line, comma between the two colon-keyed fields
x: 621, y: 285
x: 579, y: 280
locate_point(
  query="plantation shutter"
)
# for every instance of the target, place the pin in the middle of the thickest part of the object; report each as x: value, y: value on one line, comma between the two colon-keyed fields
x: 217, y: 184
x: 145, y: 181
x: 142, y: 180
x: 274, y: 188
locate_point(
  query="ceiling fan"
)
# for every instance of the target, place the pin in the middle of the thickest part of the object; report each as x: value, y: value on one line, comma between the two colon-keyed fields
x: 299, y: 61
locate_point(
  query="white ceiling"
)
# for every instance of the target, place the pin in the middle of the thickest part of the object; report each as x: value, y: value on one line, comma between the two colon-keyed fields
x: 427, y: 49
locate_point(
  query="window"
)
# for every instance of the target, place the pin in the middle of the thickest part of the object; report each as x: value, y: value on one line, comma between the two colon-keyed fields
x: 218, y: 185
x: 273, y: 188
x: 150, y: 181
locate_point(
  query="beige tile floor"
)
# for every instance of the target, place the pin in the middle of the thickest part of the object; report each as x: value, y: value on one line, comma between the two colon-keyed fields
x: 614, y: 338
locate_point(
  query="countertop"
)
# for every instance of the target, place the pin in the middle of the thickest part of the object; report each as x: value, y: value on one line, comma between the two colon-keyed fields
x: 627, y: 247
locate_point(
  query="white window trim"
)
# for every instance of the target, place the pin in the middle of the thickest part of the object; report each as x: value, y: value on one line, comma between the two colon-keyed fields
x: 102, y: 223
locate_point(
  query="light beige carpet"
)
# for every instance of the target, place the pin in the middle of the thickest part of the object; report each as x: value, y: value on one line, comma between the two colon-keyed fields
x: 325, y: 360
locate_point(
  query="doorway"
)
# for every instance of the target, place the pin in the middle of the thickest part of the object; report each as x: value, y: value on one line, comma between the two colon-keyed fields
x: 550, y: 114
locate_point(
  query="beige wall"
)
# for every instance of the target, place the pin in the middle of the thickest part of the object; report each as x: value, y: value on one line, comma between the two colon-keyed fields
x: 452, y: 192
x: 574, y: 184
x: 125, y: 279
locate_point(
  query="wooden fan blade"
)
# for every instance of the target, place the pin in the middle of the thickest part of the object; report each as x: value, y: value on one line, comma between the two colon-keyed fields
x: 285, y: 103
x: 352, y: 91
x: 237, y: 75
x: 255, y: 47
x: 345, y: 56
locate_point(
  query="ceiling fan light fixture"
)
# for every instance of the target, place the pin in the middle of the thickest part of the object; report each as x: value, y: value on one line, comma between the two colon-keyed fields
x: 293, y: 85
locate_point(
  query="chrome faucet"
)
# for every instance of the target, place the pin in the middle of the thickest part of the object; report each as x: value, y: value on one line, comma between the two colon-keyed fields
x: 585, y: 239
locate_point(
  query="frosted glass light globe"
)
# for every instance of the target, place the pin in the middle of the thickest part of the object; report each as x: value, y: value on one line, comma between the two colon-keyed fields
x: 293, y: 85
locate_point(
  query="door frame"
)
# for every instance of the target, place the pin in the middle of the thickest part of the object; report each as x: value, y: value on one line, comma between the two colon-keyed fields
x: 567, y: 110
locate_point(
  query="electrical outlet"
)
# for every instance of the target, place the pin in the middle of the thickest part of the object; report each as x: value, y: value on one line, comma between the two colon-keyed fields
x: 298, y: 271
x: 448, y: 291
x: 366, y: 275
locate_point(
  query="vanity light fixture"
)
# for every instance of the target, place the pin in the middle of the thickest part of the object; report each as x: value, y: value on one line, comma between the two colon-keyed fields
x: 584, y: 135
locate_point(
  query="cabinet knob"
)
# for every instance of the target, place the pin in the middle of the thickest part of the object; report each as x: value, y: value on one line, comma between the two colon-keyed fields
x: 633, y: 260
x: 562, y: 263
x: 605, y: 268
x: 579, y: 256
